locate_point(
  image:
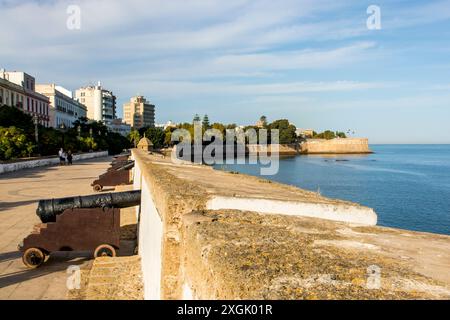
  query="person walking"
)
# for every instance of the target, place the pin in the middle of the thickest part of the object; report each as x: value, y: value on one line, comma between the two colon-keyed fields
x: 62, y: 159
x: 69, y: 158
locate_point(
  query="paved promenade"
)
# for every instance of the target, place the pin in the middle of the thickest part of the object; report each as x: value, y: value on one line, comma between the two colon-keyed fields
x: 19, y: 193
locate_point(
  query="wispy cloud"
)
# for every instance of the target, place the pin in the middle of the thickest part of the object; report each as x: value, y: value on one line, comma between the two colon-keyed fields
x: 247, y: 55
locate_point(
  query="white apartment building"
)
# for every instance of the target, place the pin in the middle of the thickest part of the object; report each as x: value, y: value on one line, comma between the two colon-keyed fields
x: 100, y: 103
x: 63, y: 108
x: 17, y: 89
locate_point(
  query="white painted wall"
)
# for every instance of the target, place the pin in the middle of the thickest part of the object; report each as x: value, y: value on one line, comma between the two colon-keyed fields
x: 17, y: 166
x: 150, y: 236
x: 150, y: 244
x: 335, y: 212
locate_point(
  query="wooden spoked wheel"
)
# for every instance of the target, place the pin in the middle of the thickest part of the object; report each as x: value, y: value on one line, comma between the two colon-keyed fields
x: 33, y: 258
x: 104, y: 250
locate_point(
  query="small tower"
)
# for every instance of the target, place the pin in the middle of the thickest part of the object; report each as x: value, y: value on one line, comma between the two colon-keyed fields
x: 145, y: 144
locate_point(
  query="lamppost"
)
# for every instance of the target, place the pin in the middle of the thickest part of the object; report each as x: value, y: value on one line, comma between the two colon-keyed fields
x: 79, y: 131
x: 62, y: 127
x: 36, y: 132
x: 90, y: 132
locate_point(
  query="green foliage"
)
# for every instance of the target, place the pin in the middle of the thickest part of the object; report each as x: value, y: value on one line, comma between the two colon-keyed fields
x: 14, y: 144
x: 84, y: 136
x: 88, y: 144
x: 157, y: 136
x: 168, y: 138
x: 220, y: 127
x: 287, y: 133
x: 134, y: 137
x: 50, y: 141
x: 205, y: 122
x: 117, y: 143
x: 263, y: 120
x: 328, y: 134
x: 13, y: 117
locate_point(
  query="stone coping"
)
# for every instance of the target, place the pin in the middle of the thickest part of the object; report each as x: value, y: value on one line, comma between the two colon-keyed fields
x: 244, y: 255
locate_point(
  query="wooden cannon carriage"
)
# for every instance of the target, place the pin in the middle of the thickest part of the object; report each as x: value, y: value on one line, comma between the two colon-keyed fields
x: 117, y: 174
x: 90, y: 223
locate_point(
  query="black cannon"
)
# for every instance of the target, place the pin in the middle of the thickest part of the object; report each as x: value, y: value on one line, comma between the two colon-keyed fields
x: 117, y: 174
x: 48, y: 209
x: 77, y: 224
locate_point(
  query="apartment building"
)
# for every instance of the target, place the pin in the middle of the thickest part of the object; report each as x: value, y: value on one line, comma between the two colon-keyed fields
x: 17, y: 89
x: 100, y: 103
x: 64, y: 109
x: 139, y: 113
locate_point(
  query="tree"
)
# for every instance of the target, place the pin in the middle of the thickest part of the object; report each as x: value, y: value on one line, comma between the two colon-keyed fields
x: 13, y: 117
x: 134, y: 137
x: 14, y: 144
x: 327, y: 134
x: 205, y: 122
x: 157, y: 136
x: 196, y: 118
x: 263, y: 121
x: 287, y: 133
x: 220, y: 127
x: 88, y: 144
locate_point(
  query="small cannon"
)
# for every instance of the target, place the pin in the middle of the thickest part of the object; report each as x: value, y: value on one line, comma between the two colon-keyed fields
x: 118, y: 174
x: 77, y: 224
x: 121, y: 165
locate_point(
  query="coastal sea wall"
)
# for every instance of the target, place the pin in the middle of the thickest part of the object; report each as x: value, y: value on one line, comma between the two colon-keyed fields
x: 335, y: 146
x: 47, y: 161
x: 282, y: 149
x: 211, y: 234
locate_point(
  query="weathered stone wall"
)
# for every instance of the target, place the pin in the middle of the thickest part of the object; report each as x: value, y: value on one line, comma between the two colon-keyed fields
x: 199, y: 239
x: 282, y: 149
x: 348, y: 145
x: 49, y: 161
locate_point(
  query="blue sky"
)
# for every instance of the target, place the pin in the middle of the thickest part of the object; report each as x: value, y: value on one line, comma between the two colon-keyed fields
x: 314, y: 62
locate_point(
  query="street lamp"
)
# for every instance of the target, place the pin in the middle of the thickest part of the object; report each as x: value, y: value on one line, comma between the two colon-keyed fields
x: 79, y: 131
x: 62, y: 127
x: 36, y: 132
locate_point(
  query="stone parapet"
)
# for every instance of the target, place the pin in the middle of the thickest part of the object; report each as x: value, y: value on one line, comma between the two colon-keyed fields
x: 208, y: 234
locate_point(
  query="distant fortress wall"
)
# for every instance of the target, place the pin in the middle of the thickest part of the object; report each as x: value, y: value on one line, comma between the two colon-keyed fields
x: 335, y: 146
x: 283, y: 149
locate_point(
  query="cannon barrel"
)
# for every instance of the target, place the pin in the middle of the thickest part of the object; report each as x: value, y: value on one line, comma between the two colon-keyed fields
x: 126, y: 166
x: 48, y: 209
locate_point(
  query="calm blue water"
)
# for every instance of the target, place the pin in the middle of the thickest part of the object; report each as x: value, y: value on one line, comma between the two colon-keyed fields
x: 407, y: 185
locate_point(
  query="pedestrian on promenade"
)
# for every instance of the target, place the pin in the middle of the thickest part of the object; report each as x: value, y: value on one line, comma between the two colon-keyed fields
x: 62, y: 159
x: 69, y: 158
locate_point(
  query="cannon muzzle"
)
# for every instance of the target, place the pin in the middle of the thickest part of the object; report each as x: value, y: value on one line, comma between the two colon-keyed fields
x: 47, y: 210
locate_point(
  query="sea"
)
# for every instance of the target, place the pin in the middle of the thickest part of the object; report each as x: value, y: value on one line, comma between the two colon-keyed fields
x: 408, y: 186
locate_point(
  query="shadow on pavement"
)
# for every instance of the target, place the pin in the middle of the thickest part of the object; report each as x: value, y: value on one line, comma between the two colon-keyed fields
x: 58, y: 261
x: 9, y: 205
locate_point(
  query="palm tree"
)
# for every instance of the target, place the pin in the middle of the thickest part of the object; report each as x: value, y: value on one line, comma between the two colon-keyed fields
x: 134, y: 137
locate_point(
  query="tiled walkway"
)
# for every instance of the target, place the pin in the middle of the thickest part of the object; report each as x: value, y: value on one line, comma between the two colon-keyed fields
x: 19, y: 193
